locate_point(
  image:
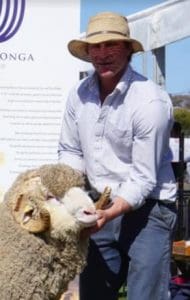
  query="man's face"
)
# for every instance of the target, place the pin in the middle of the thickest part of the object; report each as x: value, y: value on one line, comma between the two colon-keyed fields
x: 109, y: 58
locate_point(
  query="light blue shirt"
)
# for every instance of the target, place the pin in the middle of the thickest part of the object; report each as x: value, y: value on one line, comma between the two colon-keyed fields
x: 123, y: 143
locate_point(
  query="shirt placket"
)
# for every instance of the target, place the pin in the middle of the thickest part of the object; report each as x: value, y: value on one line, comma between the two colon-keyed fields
x: 99, y: 136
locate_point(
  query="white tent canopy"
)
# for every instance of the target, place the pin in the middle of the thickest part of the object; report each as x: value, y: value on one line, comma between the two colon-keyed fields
x: 161, y: 24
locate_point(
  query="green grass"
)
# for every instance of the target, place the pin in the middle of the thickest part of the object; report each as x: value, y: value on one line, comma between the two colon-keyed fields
x: 123, y: 293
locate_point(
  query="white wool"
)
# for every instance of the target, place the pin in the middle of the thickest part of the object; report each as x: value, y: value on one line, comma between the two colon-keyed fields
x: 68, y: 213
x: 76, y: 198
x: 60, y: 217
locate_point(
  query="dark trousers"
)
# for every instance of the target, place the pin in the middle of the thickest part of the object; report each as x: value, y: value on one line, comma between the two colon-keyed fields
x: 135, y: 248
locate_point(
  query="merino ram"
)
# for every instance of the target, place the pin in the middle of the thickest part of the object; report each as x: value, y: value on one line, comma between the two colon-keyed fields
x: 41, y: 218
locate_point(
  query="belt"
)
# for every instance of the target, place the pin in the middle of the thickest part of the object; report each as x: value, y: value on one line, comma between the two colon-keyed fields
x: 166, y: 203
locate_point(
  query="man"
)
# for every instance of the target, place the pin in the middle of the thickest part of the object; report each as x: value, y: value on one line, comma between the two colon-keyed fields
x: 116, y: 130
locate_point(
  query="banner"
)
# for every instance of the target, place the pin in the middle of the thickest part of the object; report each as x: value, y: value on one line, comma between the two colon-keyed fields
x: 36, y: 73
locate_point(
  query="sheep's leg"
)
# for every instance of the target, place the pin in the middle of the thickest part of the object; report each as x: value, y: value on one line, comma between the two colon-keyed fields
x: 104, y: 199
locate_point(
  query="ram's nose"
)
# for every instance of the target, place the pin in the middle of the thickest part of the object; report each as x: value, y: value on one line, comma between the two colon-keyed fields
x: 89, y: 211
x: 87, y: 217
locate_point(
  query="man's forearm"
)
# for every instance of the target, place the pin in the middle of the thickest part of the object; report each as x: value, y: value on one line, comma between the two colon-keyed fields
x: 118, y: 207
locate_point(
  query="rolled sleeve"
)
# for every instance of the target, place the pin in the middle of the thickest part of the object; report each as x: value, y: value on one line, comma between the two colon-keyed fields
x: 151, y: 138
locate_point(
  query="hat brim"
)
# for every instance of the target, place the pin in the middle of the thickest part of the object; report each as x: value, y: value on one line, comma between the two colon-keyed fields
x: 79, y: 48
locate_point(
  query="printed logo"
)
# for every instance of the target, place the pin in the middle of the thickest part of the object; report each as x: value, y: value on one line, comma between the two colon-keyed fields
x: 11, y: 17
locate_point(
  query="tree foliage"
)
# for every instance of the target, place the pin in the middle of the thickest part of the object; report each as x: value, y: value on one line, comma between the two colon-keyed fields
x: 182, y: 116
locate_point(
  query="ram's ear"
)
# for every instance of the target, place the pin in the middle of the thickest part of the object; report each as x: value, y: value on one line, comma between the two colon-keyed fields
x: 104, y: 199
x: 29, y: 216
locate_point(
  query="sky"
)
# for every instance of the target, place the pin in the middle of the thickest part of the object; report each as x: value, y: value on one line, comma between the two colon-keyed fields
x: 177, y: 54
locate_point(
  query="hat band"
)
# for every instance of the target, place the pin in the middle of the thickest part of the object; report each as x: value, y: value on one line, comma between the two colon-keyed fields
x: 106, y: 31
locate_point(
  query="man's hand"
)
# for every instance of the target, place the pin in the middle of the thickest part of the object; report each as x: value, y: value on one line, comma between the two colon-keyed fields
x: 119, y: 206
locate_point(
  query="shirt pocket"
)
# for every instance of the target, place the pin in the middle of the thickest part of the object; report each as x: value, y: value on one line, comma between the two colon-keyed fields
x: 120, y: 140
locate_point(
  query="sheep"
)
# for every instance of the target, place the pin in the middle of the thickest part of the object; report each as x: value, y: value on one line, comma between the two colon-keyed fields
x: 41, y: 218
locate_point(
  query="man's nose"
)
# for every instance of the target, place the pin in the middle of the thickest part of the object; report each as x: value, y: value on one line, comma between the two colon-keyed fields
x: 103, y: 51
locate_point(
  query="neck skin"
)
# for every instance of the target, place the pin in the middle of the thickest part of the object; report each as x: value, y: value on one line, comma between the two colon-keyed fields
x: 106, y: 87
x: 107, y: 84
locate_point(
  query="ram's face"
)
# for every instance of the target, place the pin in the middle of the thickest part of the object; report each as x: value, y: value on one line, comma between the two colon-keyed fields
x: 79, y: 205
x: 35, y: 207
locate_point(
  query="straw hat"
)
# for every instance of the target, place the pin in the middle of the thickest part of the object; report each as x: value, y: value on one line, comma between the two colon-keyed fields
x: 103, y: 27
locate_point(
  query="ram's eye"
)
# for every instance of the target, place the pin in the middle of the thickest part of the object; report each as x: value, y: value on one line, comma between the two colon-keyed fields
x: 49, y: 196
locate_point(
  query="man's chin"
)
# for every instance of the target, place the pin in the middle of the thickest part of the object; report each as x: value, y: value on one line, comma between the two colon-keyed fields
x: 106, y: 74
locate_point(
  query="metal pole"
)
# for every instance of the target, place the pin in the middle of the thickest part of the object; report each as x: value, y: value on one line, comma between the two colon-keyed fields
x: 144, y: 63
x: 159, y: 66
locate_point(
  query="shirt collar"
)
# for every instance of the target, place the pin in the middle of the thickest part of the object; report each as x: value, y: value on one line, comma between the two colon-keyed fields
x: 122, y: 85
x: 125, y: 80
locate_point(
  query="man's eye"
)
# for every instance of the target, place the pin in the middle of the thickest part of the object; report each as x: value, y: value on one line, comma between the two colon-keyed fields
x: 111, y: 44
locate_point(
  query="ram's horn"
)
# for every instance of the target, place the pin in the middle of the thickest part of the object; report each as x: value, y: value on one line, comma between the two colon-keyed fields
x: 31, y: 217
x: 35, y: 224
x: 104, y: 199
